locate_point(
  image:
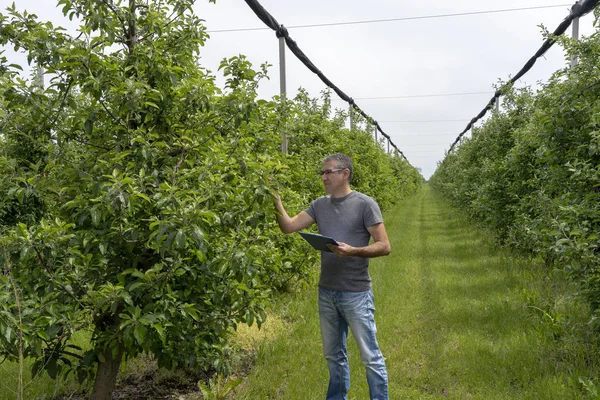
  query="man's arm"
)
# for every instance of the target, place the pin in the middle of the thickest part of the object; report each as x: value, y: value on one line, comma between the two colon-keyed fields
x: 380, y: 246
x: 289, y: 224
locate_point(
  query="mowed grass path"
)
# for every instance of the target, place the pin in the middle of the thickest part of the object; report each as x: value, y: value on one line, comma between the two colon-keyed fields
x: 453, y: 322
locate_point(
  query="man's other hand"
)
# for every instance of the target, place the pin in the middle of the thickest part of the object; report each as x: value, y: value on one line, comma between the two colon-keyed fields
x: 343, y: 250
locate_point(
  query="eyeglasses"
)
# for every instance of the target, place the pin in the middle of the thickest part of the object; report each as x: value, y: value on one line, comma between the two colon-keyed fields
x: 329, y: 171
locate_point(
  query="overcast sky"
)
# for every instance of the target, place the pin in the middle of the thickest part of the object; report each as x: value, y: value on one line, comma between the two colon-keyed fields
x: 461, y: 54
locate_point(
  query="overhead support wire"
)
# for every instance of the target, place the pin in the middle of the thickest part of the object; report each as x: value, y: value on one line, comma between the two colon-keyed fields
x: 375, y: 21
x: 281, y: 31
x: 416, y: 96
x: 579, y: 9
x: 418, y: 121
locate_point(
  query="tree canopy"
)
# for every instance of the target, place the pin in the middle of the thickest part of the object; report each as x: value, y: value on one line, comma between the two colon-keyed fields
x: 135, y: 198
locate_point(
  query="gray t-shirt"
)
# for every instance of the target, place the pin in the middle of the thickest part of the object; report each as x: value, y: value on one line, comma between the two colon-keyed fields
x: 346, y: 220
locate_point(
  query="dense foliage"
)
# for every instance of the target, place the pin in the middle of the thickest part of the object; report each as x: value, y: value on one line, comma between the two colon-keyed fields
x: 532, y: 173
x: 135, y: 197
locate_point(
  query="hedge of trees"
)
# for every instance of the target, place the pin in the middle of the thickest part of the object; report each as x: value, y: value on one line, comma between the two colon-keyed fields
x: 532, y: 172
x: 135, y: 197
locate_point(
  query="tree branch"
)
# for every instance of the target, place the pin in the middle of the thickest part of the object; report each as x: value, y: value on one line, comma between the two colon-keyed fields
x: 68, y: 353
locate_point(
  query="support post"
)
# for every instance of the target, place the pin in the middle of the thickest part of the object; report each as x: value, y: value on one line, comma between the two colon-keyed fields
x: 376, y: 140
x: 282, y: 89
x: 39, y: 76
x: 350, y: 115
x: 498, y: 105
x: 576, y: 37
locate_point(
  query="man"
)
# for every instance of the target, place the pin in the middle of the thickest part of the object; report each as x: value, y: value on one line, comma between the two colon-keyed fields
x: 345, y: 295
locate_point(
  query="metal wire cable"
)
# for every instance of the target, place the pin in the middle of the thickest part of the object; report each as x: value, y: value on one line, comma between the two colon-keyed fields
x: 416, y: 121
x: 282, y: 32
x: 375, y: 21
x: 415, y: 96
x: 579, y: 9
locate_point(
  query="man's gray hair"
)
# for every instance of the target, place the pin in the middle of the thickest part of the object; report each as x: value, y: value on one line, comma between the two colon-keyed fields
x: 341, y: 161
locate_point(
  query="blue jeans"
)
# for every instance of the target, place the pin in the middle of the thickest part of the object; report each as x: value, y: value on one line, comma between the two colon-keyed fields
x: 338, y: 311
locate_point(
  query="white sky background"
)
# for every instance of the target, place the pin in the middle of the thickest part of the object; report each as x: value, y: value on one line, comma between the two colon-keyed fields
x: 402, y: 58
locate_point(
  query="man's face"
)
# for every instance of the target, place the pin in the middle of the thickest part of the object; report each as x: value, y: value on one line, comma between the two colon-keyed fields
x: 334, y: 178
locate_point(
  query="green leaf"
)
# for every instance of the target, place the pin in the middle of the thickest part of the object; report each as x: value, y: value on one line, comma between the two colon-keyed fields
x: 140, y: 333
x: 180, y: 239
x: 20, y: 194
x: 161, y: 332
x: 151, y: 104
x: 243, y: 287
x: 139, y: 274
x: 192, y: 312
x: 24, y: 253
x: 52, y: 368
x: 88, y: 126
x: 143, y: 196
x: 8, y: 334
x: 136, y: 285
x: 22, y: 230
x: 147, y: 319
x: 198, y: 235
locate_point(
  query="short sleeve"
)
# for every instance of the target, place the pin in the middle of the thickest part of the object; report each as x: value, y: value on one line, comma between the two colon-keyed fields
x: 372, y: 213
x: 311, y: 210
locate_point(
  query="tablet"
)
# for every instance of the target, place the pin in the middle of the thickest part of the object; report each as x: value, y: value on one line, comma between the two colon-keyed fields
x: 318, y: 242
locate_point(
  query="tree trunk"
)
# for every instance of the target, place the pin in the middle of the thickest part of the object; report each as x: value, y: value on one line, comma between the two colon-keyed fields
x: 132, y: 34
x: 106, y: 377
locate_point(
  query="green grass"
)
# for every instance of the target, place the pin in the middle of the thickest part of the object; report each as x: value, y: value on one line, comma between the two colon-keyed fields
x: 456, y: 316
x: 40, y: 387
